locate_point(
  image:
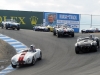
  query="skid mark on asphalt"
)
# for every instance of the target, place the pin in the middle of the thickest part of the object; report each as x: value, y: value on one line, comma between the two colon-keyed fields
x: 18, y: 47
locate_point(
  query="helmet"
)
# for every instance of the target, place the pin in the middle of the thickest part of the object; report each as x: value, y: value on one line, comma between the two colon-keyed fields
x: 32, y: 47
x: 90, y: 36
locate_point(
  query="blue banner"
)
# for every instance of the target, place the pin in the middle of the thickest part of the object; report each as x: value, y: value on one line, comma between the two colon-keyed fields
x: 64, y: 16
x: 72, y: 20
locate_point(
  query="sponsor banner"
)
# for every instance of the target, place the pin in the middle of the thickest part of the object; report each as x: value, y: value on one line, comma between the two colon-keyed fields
x: 27, y: 19
x: 72, y: 20
x: 52, y: 19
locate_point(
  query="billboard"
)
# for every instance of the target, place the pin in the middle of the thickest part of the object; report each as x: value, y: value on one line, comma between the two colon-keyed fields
x: 27, y: 19
x: 73, y: 20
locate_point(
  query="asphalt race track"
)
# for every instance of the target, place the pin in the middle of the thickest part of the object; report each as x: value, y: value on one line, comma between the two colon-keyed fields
x: 59, y: 57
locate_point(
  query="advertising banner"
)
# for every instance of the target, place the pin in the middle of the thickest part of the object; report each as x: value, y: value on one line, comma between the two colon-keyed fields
x: 27, y: 19
x: 72, y: 20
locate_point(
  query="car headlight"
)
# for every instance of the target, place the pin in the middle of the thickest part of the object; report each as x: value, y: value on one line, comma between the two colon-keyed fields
x: 28, y: 59
x: 13, y: 61
x: 92, y: 43
x: 77, y: 44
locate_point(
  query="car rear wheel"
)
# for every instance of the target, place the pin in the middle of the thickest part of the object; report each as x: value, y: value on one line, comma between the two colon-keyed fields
x: 97, y: 43
x: 6, y: 27
x: 14, y: 66
x: 40, y: 56
x: 77, y: 50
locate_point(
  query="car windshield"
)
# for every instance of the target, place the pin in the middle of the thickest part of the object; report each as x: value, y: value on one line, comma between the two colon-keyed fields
x: 83, y: 38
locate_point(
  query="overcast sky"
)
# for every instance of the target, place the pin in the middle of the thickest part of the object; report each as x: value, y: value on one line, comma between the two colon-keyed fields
x: 64, y: 6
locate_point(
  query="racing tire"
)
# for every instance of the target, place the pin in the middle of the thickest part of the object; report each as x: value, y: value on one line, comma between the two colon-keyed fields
x: 77, y: 50
x: 14, y: 66
x: 6, y: 27
x: 48, y: 29
x: 97, y: 43
x: 72, y: 35
x: 2, y: 26
x: 58, y: 35
x: 18, y: 28
x: 82, y: 32
x: 13, y: 28
x: 40, y: 56
x: 94, y: 48
x: 54, y: 33
x: 33, y: 61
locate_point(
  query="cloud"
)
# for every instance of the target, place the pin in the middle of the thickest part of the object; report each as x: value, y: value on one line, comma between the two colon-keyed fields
x: 64, y: 6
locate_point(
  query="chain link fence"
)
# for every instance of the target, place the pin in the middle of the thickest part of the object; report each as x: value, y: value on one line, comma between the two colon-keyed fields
x: 87, y: 21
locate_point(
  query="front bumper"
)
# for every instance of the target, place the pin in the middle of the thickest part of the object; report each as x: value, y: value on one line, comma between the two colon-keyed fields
x: 21, y: 63
x: 86, y: 48
x: 66, y: 33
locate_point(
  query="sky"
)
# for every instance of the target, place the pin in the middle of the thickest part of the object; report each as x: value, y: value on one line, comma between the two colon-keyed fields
x: 63, y: 6
x: 84, y: 7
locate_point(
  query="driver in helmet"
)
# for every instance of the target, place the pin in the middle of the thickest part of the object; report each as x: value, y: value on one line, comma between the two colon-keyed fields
x: 91, y: 37
x: 32, y: 48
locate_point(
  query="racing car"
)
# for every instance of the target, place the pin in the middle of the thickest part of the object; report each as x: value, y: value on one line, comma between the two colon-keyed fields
x: 41, y: 28
x: 90, y: 30
x: 27, y: 56
x: 10, y: 23
x: 63, y: 30
x: 87, y: 44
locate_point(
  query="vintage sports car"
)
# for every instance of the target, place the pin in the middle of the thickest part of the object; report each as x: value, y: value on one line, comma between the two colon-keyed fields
x: 87, y: 44
x: 10, y: 23
x: 27, y: 56
x: 90, y: 30
x: 40, y: 28
x: 63, y: 30
x: 47, y: 28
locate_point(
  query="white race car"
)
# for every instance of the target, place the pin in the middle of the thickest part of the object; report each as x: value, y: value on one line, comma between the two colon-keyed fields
x: 26, y: 57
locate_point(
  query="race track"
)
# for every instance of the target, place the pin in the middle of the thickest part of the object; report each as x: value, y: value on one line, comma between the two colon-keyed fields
x: 59, y: 56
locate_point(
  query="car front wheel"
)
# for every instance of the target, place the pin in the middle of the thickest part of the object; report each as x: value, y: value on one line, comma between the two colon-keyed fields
x: 33, y: 61
x: 18, y: 28
x: 77, y: 50
x: 14, y: 66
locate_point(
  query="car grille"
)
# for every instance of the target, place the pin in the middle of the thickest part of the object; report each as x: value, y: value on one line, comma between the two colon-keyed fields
x: 21, y: 62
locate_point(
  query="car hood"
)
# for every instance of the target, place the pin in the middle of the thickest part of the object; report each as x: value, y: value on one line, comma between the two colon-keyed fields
x: 66, y: 29
x: 26, y: 56
x: 85, y: 42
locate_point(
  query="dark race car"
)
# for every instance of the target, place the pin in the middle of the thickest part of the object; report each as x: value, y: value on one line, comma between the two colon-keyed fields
x: 86, y: 44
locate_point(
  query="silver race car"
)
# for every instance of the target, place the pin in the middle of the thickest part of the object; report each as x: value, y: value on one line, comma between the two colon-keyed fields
x: 86, y: 44
x: 27, y: 56
x: 63, y: 30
